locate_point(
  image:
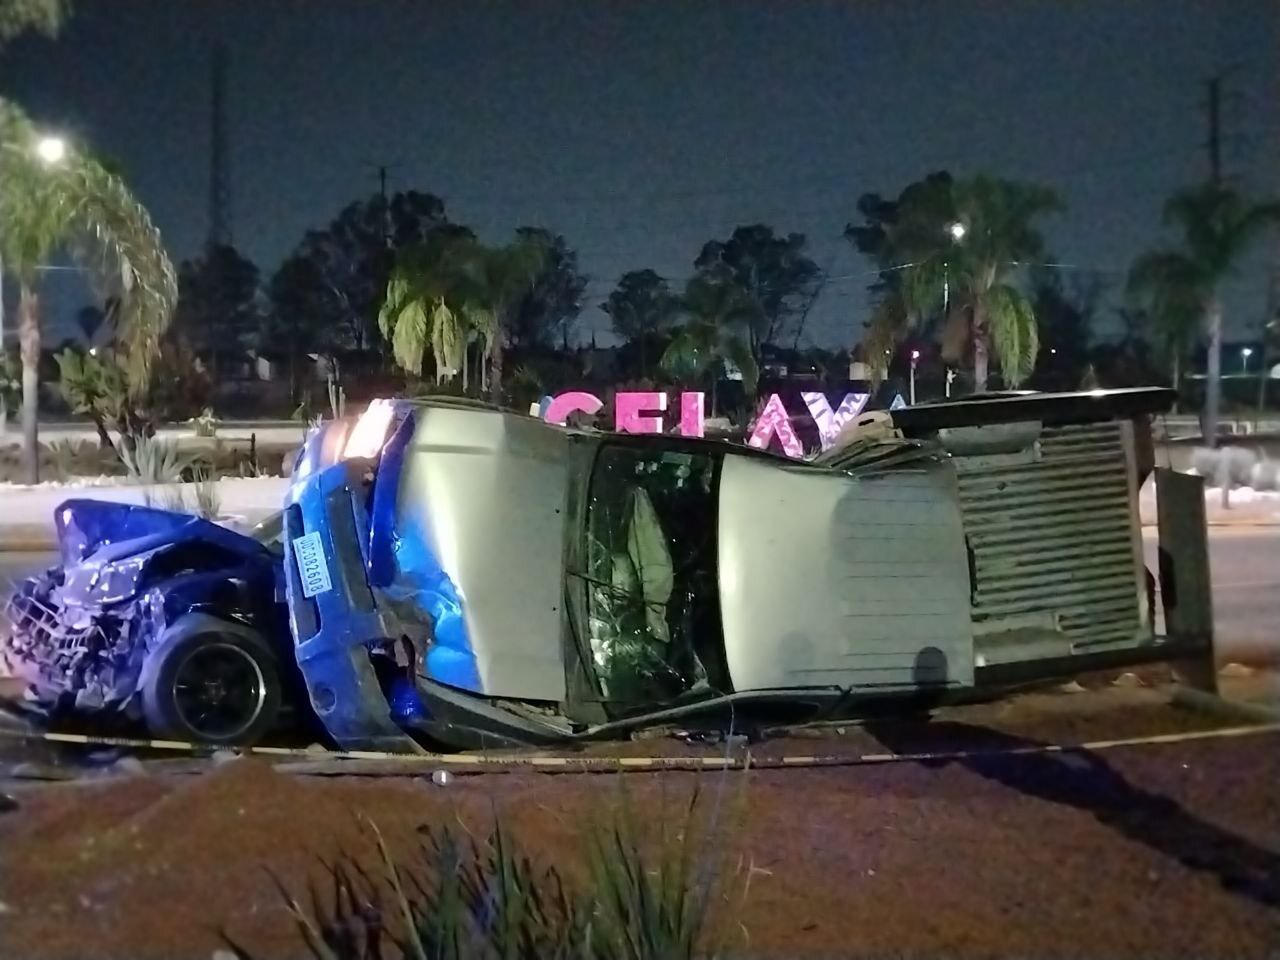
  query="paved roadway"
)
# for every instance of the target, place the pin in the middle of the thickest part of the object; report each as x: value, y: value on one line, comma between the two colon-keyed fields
x: 1245, y: 565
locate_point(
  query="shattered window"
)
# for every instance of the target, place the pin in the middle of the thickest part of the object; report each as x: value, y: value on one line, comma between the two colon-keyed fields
x: 650, y: 570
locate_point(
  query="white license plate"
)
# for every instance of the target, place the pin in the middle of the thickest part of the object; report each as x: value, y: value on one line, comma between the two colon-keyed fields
x: 308, y: 552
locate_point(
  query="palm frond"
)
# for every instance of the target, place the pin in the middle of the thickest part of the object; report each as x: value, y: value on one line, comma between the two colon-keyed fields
x: 1014, y: 334
x: 1173, y: 290
x: 448, y: 340
x: 889, y: 323
x: 43, y: 16
x: 1219, y: 225
x: 690, y: 352
x: 111, y: 227
x: 408, y: 334
x: 924, y: 287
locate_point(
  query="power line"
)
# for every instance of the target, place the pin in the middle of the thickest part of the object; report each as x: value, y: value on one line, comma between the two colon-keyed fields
x: 814, y: 185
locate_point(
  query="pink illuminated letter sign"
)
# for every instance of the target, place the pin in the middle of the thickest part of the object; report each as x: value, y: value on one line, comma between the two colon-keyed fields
x: 576, y: 401
x: 692, y: 414
x: 830, y: 424
x: 774, y: 421
x: 633, y: 412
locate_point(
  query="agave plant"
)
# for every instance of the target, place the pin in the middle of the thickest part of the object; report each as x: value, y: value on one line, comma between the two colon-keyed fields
x: 153, y: 462
x: 487, y: 900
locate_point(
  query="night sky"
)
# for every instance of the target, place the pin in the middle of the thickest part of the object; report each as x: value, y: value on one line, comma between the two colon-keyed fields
x: 641, y: 129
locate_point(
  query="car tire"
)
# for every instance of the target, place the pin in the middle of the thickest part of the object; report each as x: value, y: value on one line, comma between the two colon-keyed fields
x: 214, y: 682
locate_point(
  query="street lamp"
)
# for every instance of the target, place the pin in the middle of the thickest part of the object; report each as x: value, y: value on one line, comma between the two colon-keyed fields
x: 915, y: 358
x: 1245, y: 354
x: 957, y: 230
x: 51, y: 149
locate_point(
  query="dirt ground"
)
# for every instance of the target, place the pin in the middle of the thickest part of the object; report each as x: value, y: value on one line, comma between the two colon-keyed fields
x: 1169, y: 849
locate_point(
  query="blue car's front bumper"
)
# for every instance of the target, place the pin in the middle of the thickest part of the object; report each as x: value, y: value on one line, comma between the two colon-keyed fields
x: 333, y: 629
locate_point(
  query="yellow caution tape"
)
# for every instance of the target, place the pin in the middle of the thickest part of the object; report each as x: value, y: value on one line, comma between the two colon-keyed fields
x: 586, y: 764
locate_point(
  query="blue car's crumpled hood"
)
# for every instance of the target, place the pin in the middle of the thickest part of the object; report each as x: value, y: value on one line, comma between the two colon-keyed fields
x: 105, y: 546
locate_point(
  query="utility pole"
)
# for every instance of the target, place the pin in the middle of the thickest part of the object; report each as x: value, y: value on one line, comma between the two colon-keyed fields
x: 1214, y: 105
x: 219, y: 159
x: 219, y: 183
x: 382, y: 170
x: 388, y: 246
x: 1213, y: 360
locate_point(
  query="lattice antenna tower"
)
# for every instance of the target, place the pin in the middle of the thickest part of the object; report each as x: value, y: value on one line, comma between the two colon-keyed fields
x: 219, y: 160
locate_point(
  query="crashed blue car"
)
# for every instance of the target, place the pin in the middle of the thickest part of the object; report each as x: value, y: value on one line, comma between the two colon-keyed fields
x: 156, y: 617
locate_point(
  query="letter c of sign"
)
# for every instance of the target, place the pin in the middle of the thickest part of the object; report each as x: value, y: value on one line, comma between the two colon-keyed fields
x: 576, y: 401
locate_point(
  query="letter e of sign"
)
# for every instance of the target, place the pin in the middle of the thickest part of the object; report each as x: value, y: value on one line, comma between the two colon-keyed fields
x: 632, y: 412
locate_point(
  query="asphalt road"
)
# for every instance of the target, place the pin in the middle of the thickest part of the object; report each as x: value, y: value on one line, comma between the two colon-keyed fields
x: 1244, y: 563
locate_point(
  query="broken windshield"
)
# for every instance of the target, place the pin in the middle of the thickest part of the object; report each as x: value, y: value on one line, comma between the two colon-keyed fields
x: 652, y: 603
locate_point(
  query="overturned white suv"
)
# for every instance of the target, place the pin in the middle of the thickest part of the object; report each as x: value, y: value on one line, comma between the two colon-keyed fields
x: 462, y: 576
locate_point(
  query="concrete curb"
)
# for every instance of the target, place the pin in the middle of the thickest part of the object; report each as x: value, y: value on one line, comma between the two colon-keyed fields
x: 27, y: 538
x: 1217, y: 706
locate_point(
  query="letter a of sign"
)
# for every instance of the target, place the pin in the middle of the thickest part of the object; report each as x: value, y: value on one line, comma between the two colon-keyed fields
x: 830, y: 424
x: 774, y: 421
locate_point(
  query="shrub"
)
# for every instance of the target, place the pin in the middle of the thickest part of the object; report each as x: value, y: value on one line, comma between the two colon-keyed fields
x: 470, y: 899
x: 95, y: 384
x: 1234, y: 464
x: 67, y: 458
x: 1239, y: 465
x: 1265, y: 475
x: 10, y: 382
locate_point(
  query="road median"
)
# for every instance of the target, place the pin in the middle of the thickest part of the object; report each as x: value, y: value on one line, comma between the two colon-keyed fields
x: 27, y: 512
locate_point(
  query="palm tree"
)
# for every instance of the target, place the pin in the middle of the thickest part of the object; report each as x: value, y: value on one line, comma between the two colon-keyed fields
x: 416, y: 315
x: 1218, y: 227
x: 1167, y: 293
x: 77, y: 206
x: 451, y: 290
x: 719, y: 318
x: 958, y: 251
x: 18, y: 16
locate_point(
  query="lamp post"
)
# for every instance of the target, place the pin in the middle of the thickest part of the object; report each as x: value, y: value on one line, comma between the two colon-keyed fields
x: 915, y: 358
x: 1245, y: 354
x: 50, y: 150
x: 957, y: 231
